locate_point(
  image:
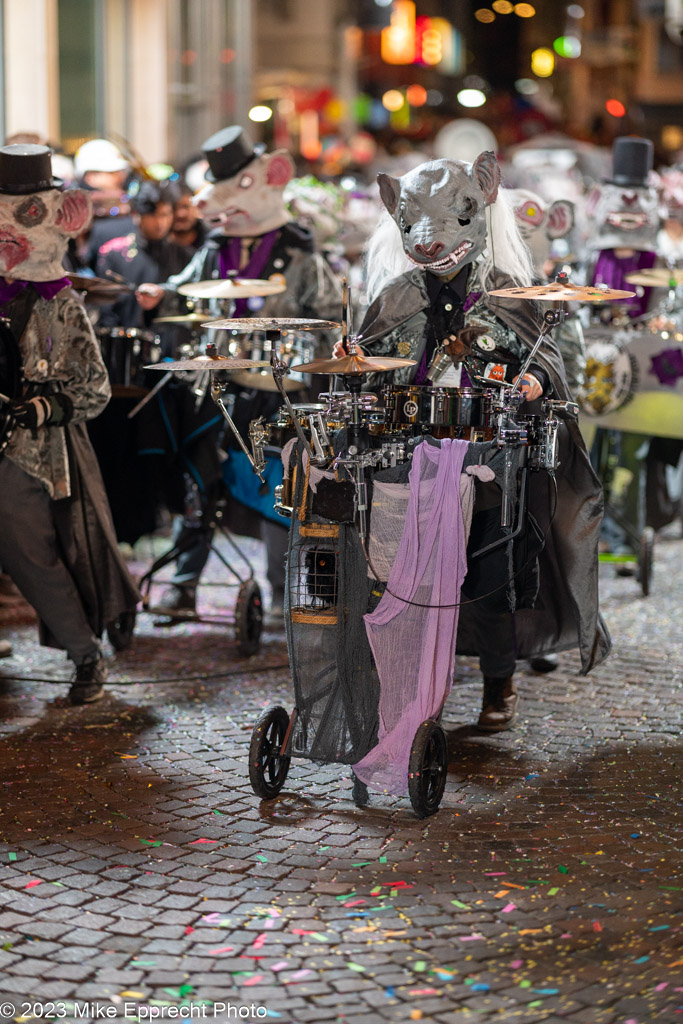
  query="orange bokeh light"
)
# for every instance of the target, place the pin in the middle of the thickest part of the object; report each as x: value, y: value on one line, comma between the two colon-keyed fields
x: 416, y: 95
x: 615, y: 107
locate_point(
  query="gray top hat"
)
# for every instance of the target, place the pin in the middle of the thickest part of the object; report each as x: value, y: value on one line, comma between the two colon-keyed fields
x: 228, y: 151
x: 632, y: 160
x: 26, y: 168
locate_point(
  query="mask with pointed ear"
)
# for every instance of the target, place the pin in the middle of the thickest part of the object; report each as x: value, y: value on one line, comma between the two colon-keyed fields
x: 34, y: 231
x: 389, y: 190
x: 486, y: 173
x: 560, y: 218
x: 251, y: 202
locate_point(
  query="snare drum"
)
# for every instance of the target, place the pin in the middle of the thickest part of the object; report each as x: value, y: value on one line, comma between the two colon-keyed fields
x: 125, y: 351
x: 441, y: 412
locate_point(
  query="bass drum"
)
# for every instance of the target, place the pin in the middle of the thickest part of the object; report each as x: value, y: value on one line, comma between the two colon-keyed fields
x: 634, y: 380
x: 126, y: 351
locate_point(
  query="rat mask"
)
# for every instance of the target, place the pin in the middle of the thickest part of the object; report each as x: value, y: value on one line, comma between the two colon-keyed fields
x: 251, y: 202
x: 35, y: 229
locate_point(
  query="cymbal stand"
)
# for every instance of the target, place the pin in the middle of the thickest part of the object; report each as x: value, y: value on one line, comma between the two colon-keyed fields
x: 279, y: 371
x: 219, y: 385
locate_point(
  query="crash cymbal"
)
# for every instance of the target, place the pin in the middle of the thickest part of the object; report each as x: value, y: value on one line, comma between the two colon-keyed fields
x: 98, y: 291
x: 353, y: 364
x: 186, y: 318
x: 231, y: 288
x: 657, y: 277
x: 564, y: 293
x: 226, y: 363
x: 263, y: 380
x: 272, y: 323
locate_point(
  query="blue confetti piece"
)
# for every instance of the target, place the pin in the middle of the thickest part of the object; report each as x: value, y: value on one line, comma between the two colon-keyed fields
x: 546, y: 991
x: 534, y: 775
x: 641, y: 960
x: 481, y: 987
x: 389, y: 993
x: 635, y: 835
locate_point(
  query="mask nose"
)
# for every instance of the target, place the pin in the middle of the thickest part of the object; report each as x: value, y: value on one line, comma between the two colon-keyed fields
x: 429, y: 252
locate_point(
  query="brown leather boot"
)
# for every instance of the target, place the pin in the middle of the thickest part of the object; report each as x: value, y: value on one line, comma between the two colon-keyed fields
x: 499, y: 706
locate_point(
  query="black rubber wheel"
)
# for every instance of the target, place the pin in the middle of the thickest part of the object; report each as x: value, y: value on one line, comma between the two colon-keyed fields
x: 646, y: 559
x: 121, y: 630
x: 267, y: 768
x: 427, y: 769
x: 248, y: 617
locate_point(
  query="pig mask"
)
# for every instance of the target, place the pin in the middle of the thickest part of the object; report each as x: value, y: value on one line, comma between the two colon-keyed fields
x: 250, y: 203
x: 440, y: 210
x: 35, y: 229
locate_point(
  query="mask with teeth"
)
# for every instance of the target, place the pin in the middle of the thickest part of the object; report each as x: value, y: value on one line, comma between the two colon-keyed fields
x: 440, y: 210
x: 251, y: 202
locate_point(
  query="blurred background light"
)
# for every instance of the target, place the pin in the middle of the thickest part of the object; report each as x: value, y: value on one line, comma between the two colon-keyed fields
x: 543, y: 62
x: 260, y: 113
x: 485, y: 15
x: 416, y: 95
x: 526, y: 86
x: 615, y: 107
x: 567, y: 46
x: 503, y: 6
x: 525, y: 10
x: 393, y: 99
x: 471, y: 98
x: 575, y: 11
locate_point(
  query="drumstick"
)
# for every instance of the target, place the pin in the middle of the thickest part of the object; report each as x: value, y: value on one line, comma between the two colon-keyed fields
x: 345, y: 315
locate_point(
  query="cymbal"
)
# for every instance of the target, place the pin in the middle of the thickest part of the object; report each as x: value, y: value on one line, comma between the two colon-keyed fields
x: 564, y: 293
x: 226, y: 363
x: 98, y: 290
x: 657, y: 277
x: 353, y: 364
x: 272, y: 323
x: 185, y: 318
x: 231, y: 288
x: 261, y: 380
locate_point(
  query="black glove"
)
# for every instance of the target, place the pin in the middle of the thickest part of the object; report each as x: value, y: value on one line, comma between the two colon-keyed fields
x: 31, y: 414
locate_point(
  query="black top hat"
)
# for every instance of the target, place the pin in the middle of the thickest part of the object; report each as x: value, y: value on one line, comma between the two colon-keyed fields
x: 632, y: 160
x: 25, y: 168
x: 228, y: 151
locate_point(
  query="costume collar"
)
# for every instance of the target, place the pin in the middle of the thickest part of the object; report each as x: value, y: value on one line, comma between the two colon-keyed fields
x: 46, y: 289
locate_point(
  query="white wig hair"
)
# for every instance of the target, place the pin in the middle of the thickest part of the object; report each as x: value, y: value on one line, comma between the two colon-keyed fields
x: 506, y: 251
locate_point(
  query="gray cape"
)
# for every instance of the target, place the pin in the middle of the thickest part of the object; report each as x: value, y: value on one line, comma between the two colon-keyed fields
x: 566, y: 613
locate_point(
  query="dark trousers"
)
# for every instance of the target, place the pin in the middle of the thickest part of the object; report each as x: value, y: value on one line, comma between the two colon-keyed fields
x: 29, y: 553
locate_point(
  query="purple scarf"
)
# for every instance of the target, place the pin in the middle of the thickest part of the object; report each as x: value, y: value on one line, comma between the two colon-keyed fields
x: 612, y: 271
x: 46, y: 289
x: 229, y: 263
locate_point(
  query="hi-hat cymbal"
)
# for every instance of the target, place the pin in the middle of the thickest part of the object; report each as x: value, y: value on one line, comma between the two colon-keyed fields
x: 186, y: 318
x: 353, y: 364
x: 272, y: 323
x: 226, y: 363
x: 564, y: 293
x: 231, y: 288
x: 657, y: 277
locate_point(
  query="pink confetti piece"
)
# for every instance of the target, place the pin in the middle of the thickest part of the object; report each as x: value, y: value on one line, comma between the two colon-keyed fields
x: 354, y: 903
x: 516, y: 963
x: 423, y: 991
x: 662, y: 985
x: 469, y: 938
x: 280, y: 965
x: 34, y: 882
x: 259, y: 940
x: 495, y: 874
x: 221, y: 949
x: 302, y: 931
x: 597, y: 927
x: 269, y: 923
x: 508, y: 907
x: 253, y: 981
x: 195, y: 841
x: 298, y: 975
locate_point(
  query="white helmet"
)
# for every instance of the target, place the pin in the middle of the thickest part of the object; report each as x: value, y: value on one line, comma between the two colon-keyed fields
x: 98, y: 155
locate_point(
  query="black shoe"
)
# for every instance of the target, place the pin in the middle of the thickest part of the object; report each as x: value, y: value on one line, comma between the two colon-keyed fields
x: 499, y: 706
x: 544, y: 662
x: 88, y: 686
x: 178, y: 602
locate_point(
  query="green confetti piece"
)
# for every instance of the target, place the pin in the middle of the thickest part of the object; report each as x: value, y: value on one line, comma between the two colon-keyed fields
x: 11, y: 856
x: 420, y: 965
x: 553, y: 892
x: 536, y: 1002
x: 319, y: 937
x: 525, y: 984
x: 673, y: 888
x: 151, y: 842
x: 219, y: 812
x: 382, y: 860
x: 259, y: 856
x: 457, y: 903
x: 348, y: 896
x: 355, y: 967
x: 143, y: 963
x: 563, y: 869
x: 361, y: 863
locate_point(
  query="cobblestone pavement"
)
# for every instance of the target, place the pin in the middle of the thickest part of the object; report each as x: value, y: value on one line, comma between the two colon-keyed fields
x: 140, y: 876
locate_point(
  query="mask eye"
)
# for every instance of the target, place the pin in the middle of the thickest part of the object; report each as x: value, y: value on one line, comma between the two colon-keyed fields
x: 403, y: 224
x: 469, y: 209
x: 246, y: 181
x: 463, y: 221
x: 31, y: 212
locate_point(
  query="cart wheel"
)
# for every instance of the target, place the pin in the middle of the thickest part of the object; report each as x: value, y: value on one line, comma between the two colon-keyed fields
x: 427, y: 768
x: 267, y: 768
x: 120, y: 631
x: 248, y: 617
x: 361, y: 797
x: 646, y: 557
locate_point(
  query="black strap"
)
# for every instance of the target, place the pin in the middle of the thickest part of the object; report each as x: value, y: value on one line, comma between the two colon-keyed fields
x: 18, y: 312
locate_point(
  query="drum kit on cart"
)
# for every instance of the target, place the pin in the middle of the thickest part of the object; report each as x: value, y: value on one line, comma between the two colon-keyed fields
x: 347, y: 436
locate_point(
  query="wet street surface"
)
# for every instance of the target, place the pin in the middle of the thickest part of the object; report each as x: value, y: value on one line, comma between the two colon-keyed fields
x: 141, y: 878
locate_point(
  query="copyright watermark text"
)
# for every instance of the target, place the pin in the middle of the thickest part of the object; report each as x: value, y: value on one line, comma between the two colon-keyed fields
x: 93, y: 1011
